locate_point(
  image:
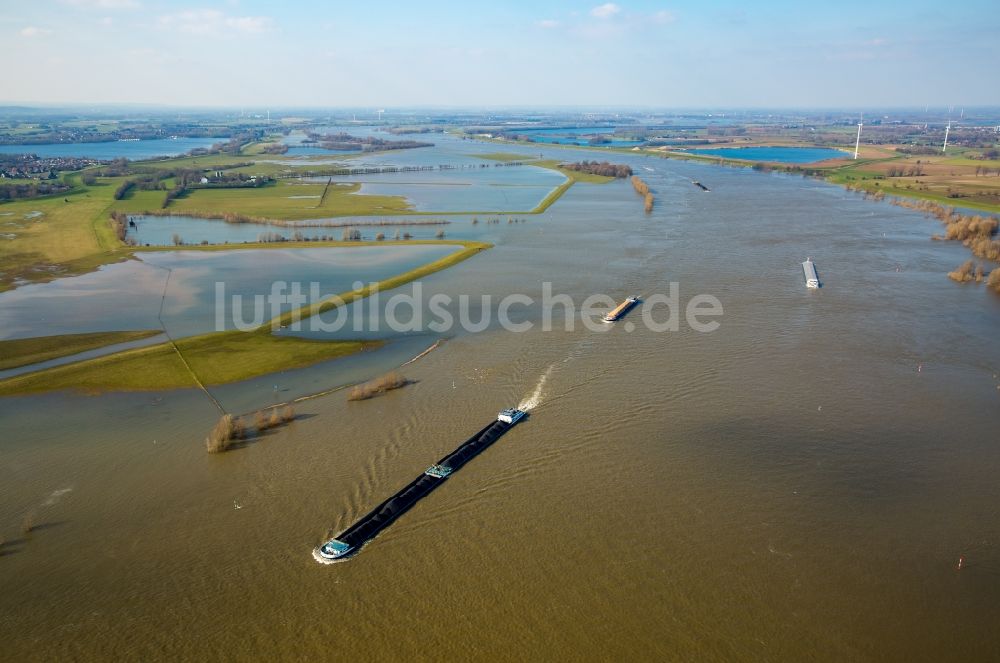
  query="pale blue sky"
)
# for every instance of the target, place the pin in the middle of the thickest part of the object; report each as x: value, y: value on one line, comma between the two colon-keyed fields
x: 842, y: 54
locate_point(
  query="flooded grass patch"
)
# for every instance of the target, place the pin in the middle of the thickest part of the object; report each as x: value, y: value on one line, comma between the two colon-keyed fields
x: 15, y: 353
x: 219, y: 357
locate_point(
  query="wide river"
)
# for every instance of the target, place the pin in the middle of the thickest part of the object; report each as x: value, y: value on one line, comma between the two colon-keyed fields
x: 797, y: 485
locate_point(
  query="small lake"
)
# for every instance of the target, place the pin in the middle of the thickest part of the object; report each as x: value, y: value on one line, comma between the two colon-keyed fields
x: 775, y: 153
x: 130, y: 149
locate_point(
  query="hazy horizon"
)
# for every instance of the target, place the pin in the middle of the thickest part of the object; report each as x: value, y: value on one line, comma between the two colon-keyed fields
x: 656, y: 55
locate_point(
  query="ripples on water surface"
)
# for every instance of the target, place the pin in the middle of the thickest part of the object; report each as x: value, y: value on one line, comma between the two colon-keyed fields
x: 789, y: 487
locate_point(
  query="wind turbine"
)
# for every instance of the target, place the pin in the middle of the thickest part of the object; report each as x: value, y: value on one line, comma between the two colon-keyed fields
x: 380, y: 114
x: 947, y: 130
x: 857, y: 143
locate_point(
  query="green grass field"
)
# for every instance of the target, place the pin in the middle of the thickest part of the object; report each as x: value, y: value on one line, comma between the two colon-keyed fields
x: 287, y: 200
x: 948, y: 180
x: 505, y: 156
x: 214, y: 358
x: 291, y: 200
x: 24, y: 351
x: 573, y: 175
x: 55, y: 235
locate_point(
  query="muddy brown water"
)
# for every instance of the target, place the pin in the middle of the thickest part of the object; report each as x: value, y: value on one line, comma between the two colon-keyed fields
x: 797, y: 485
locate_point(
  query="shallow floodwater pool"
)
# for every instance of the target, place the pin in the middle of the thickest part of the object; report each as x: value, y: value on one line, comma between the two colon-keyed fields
x: 128, y: 295
x: 775, y: 153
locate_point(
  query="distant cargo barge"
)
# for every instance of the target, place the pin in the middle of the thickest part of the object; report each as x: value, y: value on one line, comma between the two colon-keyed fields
x: 350, y: 540
x: 621, y: 309
x: 809, y: 269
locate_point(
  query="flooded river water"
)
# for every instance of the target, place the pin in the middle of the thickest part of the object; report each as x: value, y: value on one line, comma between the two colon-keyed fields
x: 797, y: 485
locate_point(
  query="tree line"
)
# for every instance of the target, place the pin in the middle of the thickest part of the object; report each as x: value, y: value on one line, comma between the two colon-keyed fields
x: 603, y: 168
x: 31, y: 190
x: 643, y: 190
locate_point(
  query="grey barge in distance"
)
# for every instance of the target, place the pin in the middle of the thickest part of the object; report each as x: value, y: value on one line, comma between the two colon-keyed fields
x: 809, y: 269
x: 350, y: 541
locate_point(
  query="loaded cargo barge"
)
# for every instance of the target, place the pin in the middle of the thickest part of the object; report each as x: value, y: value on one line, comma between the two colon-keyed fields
x: 621, y: 309
x: 809, y: 270
x: 350, y: 541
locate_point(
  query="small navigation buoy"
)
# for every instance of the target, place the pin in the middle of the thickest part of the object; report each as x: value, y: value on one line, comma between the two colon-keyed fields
x: 920, y: 368
x: 961, y: 562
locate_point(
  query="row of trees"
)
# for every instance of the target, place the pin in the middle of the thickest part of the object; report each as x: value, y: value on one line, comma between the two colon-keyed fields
x: 274, y: 148
x: 347, y: 235
x: 643, y: 190
x: 899, y: 171
x: 31, y: 190
x: 229, y: 429
x: 119, y: 226
x: 967, y: 272
x: 123, y: 189
x: 976, y: 232
x: 599, y: 168
x: 380, y: 385
x: 918, y: 149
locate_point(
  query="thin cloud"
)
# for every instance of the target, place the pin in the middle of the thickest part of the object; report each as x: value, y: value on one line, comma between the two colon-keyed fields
x: 614, y: 22
x: 152, y: 56
x: 213, y: 22
x: 103, y: 4
x: 250, y: 24
x: 663, y: 16
x: 605, y: 11
x: 33, y: 31
x: 548, y: 24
